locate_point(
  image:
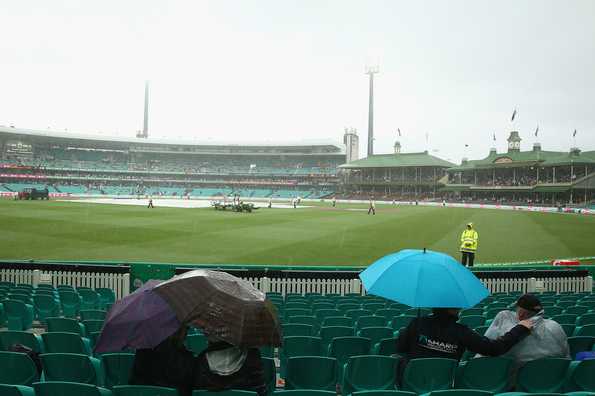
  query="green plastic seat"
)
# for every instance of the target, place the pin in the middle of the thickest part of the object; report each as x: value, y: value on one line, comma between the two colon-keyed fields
x: 45, y: 306
x: 327, y: 333
x: 298, y: 346
x: 369, y: 373
x: 17, y: 369
x: 344, y: 307
x: 230, y: 392
x: 144, y: 390
x: 299, y: 305
x: 30, y: 340
x: 485, y: 373
x: 311, y: 372
x: 117, y: 368
x: 24, y: 298
x: 460, y: 392
x: 583, y: 376
x: 586, y: 319
x: 342, y: 348
x: 580, y: 344
x: 317, y: 306
x: 568, y: 328
x: 585, y: 331
x: 66, y: 325
x: 553, y: 311
x: 267, y: 351
x: 355, y: 314
x: 93, y: 314
x: 304, y: 392
x: 16, y: 390
x: 196, y: 343
x: 270, y: 374
x: 65, y: 388
x: 471, y: 312
x: 107, y: 297
x: 337, y: 321
x: 92, y: 326
x: 401, y: 321
x: 370, y: 321
x: 89, y: 299
x: 72, y: 367
x: 289, y: 312
x: 375, y: 334
x: 565, y: 303
x: 417, y: 312
x: 71, y: 303
x: 565, y: 318
x: 321, y: 314
x: 388, y: 313
x: 308, y: 320
x: 18, y: 315
x: 383, y: 393
x: 297, y: 329
x: 62, y: 342
x: 472, y: 321
x: 577, y: 310
x: 373, y: 306
x: 385, y: 347
x: 542, y: 375
x: 427, y: 375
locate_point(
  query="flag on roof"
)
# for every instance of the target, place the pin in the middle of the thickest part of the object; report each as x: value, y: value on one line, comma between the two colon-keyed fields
x: 399, y: 131
x: 513, y: 115
x: 574, y: 134
x: 494, y: 136
x: 536, y: 130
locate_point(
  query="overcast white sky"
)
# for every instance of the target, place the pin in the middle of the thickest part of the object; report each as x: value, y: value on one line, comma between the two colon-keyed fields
x: 276, y: 70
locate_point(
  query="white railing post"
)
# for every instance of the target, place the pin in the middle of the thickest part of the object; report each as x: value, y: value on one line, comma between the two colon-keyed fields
x: 532, y: 285
x: 125, y: 285
x: 265, y: 285
x: 36, y: 278
x: 588, y: 284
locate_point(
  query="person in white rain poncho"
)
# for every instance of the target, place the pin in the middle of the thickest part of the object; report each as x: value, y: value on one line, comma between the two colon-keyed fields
x: 547, y: 339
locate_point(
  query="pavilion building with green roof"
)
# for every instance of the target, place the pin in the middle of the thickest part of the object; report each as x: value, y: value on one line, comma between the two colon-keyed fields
x: 535, y: 176
x: 398, y: 175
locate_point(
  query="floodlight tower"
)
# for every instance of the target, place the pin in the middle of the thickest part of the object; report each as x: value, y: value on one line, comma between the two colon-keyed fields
x: 145, y: 132
x: 370, y: 71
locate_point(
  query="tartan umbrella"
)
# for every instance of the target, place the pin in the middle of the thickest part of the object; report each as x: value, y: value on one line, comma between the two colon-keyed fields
x: 223, y: 306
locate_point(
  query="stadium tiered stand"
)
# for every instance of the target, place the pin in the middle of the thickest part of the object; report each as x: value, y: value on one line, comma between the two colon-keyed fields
x: 331, y: 342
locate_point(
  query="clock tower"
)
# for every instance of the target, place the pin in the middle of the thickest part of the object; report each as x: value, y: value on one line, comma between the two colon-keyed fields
x: 514, y: 142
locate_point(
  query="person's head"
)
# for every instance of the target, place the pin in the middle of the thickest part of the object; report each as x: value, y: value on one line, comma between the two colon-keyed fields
x: 454, y: 312
x: 469, y: 226
x: 527, y: 306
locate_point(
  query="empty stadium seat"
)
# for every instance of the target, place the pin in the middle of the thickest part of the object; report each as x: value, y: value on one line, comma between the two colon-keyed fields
x: 299, y: 346
x: 65, y: 388
x: 401, y: 321
x: 143, y: 390
x: 89, y: 299
x: 427, y: 375
x: 16, y: 390
x: 337, y: 321
x: 17, y: 369
x: 117, y: 368
x: 30, y: 340
x: 45, y: 306
x: 583, y: 376
x: 70, y: 301
x: 375, y: 334
x: 62, y: 342
x: 386, y: 346
x: 196, y: 343
x: 342, y: 348
x: 369, y: 373
x: 19, y: 316
x: 327, y: 333
x: 460, y: 392
x: 311, y: 372
x: 542, y: 375
x: 485, y: 373
x: 297, y: 329
x: 66, y: 325
x: 93, y: 314
x: 72, y: 367
x: 370, y: 321
x: 92, y: 326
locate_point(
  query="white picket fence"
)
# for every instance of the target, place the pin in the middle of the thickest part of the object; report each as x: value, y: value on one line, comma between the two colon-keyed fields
x: 118, y: 282
x: 346, y: 286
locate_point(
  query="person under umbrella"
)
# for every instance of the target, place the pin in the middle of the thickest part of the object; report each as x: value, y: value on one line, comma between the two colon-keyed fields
x: 169, y: 364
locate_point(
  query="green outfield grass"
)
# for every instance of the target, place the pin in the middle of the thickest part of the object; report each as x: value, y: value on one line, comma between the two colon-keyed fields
x: 315, y: 236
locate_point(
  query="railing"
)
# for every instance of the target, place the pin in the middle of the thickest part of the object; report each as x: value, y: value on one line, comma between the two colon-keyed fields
x: 116, y: 278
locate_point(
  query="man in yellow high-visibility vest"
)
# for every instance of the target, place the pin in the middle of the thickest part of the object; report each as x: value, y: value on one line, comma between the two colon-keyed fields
x: 469, y: 240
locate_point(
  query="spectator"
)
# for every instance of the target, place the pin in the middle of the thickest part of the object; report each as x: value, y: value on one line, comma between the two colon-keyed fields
x: 169, y: 364
x: 547, y: 339
x: 223, y: 366
x: 440, y: 336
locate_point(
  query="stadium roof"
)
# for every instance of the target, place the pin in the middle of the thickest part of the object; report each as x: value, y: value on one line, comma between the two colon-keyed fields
x: 528, y: 158
x: 161, y: 141
x: 398, y: 160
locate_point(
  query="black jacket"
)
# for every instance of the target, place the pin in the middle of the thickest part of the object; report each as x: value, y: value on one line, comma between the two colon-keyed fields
x: 168, y: 364
x: 442, y: 337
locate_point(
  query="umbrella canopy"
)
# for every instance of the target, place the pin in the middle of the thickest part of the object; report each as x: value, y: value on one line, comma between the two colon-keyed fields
x: 423, y: 279
x: 223, y: 306
x: 140, y: 320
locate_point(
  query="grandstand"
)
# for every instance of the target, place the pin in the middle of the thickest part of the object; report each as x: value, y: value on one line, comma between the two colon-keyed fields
x: 79, y: 164
x: 536, y: 176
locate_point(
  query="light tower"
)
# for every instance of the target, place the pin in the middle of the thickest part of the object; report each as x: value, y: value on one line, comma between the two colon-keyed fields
x: 370, y: 71
x: 145, y: 133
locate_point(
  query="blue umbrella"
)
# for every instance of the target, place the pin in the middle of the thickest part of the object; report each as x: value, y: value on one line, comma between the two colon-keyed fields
x: 423, y: 279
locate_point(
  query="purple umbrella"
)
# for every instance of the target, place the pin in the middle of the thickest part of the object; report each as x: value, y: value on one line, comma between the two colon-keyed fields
x: 140, y: 320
